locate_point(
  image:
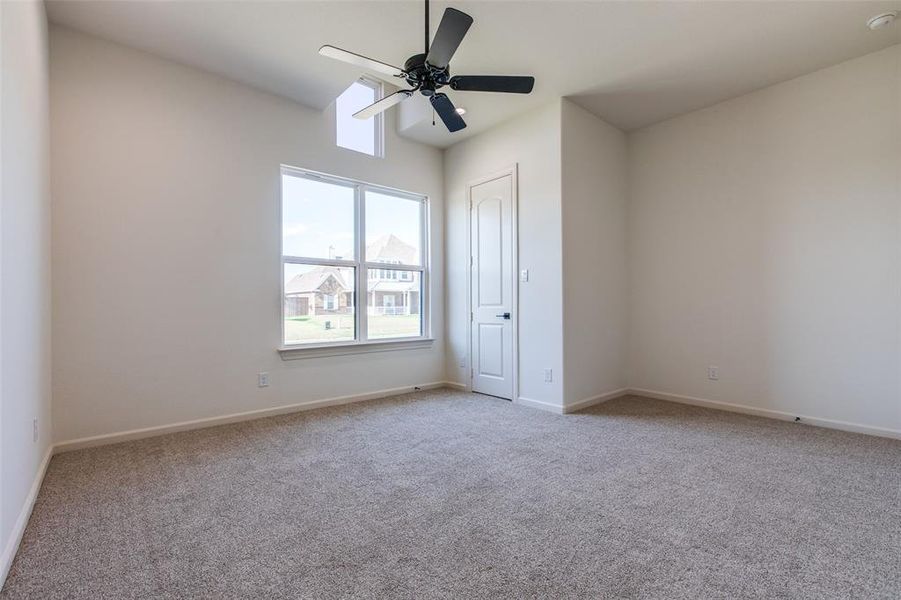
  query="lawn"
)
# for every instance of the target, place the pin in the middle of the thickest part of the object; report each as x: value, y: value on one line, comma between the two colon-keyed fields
x: 313, y: 329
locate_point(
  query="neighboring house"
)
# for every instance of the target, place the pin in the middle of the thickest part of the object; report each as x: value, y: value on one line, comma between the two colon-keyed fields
x: 324, y: 291
x: 392, y: 292
x: 321, y: 291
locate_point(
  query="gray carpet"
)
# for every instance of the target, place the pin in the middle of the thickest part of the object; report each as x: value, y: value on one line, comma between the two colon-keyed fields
x: 449, y: 495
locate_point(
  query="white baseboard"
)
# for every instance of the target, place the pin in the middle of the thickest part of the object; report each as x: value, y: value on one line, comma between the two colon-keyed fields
x: 136, y: 434
x: 540, y: 404
x: 575, y: 406
x: 570, y: 408
x: 18, y: 530
x: 769, y: 413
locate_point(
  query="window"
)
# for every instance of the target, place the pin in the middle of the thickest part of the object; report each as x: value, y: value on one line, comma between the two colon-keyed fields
x: 354, y: 262
x: 356, y: 134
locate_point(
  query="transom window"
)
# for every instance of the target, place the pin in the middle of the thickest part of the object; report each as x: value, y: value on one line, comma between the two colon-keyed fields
x: 361, y: 135
x: 354, y: 261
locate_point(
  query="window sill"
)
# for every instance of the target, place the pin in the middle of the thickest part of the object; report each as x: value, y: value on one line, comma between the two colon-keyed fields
x: 313, y: 351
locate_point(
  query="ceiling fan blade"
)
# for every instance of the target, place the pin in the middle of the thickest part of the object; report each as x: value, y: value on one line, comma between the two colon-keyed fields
x: 510, y: 84
x: 383, y: 104
x: 454, y: 25
x: 445, y: 109
x: 384, y: 70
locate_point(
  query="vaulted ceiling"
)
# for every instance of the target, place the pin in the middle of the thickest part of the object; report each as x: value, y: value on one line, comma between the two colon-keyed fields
x: 630, y: 63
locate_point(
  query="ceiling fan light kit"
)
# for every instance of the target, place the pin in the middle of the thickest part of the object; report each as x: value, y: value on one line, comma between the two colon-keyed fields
x: 428, y: 72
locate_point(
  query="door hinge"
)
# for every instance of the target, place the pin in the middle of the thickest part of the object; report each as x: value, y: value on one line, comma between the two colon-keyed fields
x: 471, y: 317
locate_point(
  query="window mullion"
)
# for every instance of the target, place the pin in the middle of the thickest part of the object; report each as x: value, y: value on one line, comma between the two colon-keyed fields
x: 423, y: 235
x: 361, y: 298
x: 425, y: 326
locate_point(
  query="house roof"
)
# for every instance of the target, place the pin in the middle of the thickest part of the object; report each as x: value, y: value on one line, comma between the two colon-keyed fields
x: 313, y: 280
x: 390, y: 248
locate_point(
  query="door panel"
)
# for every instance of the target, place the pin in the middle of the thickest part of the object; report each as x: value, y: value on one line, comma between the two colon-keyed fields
x: 491, y: 338
x: 489, y: 220
x: 492, y: 287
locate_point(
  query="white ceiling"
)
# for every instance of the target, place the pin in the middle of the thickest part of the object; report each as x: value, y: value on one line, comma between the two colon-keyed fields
x: 631, y: 63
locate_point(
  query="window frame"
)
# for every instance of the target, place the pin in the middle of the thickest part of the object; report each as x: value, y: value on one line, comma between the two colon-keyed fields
x: 378, y: 144
x: 362, y: 268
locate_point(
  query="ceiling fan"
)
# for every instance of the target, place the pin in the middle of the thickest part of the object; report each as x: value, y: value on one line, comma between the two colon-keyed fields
x: 428, y: 72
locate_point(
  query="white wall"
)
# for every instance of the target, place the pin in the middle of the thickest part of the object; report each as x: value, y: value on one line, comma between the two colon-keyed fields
x: 166, y: 243
x: 533, y: 141
x: 595, y: 319
x: 765, y: 239
x: 24, y: 263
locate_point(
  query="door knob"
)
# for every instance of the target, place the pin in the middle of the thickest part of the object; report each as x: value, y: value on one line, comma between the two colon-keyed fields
x: 504, y: 316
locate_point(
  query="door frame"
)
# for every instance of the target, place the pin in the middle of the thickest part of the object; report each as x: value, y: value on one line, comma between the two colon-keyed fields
x: 513, y: 172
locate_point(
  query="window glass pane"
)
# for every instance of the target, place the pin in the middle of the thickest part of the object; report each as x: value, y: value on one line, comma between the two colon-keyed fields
x: 394, y: 304
x: 356, y: 134
x: 319, y: 304
x: 393, y: 229
x: 317, y: 218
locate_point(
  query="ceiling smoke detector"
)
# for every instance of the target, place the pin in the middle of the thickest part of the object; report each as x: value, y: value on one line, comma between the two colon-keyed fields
x: 882, y: 20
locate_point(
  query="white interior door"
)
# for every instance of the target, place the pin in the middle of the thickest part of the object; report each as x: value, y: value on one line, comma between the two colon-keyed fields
x: 492, y: 286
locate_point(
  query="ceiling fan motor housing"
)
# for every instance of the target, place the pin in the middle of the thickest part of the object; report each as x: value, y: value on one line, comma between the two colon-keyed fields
x: 423, y: 76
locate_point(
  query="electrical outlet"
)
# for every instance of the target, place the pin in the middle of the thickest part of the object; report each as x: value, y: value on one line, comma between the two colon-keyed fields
x: 713, y: 373
x: 524, y: 276
x: 463, y: 363
x: 34, y: 430
x: 262, y: 380
x: 548, y: 375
